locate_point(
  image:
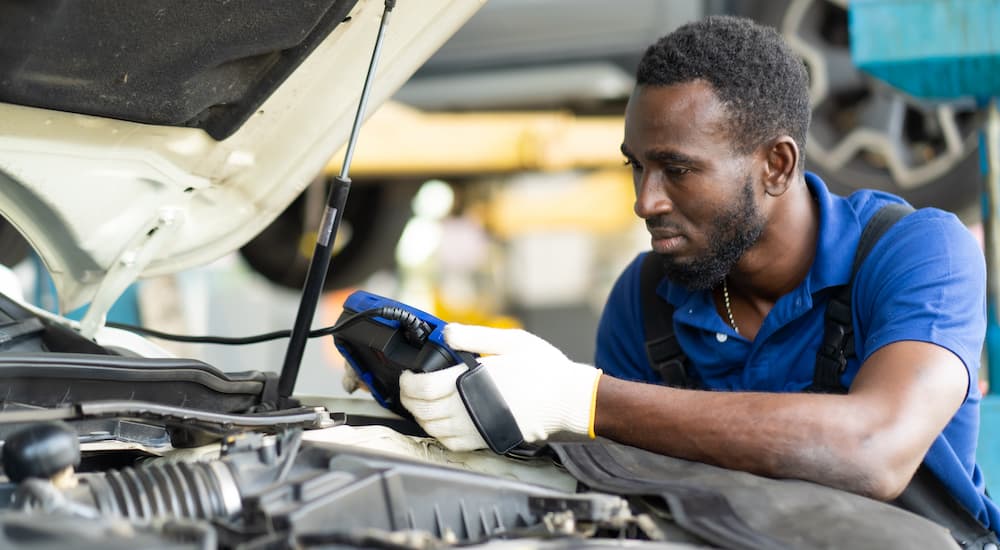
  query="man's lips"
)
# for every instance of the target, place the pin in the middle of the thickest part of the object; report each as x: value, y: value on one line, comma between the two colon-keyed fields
x: 666, y: 241
x: 663, y: 233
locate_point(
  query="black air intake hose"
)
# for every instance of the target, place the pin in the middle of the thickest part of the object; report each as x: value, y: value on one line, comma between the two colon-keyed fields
x: 199, y: 490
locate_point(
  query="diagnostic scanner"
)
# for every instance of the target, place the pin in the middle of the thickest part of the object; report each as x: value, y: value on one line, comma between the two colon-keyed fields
x: 380, y: 338
x: 394, y: 338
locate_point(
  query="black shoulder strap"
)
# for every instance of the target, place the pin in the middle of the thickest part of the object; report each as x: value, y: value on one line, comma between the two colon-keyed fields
x: 838, y: 331
x: 662, y: 349
x: 925, y: 495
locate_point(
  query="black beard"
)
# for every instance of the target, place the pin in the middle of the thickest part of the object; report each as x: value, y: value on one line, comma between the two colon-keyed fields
x: 733, y: 233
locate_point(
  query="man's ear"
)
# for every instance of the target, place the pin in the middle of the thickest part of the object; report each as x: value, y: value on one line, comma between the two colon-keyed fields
x: 781, y: 159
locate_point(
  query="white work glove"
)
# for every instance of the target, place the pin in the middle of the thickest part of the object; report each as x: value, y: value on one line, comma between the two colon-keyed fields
x: 350, y: 381
x: 545, y: 391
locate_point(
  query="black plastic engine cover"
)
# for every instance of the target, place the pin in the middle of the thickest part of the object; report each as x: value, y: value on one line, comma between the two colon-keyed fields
x: 55, y: 379
x: 44, y: 364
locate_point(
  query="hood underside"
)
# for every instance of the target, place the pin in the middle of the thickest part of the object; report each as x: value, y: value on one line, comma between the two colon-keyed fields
x: 203, y: 65
x: 138, y: 138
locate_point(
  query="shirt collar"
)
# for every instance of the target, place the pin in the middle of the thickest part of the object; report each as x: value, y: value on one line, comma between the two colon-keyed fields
x: 839, y: 233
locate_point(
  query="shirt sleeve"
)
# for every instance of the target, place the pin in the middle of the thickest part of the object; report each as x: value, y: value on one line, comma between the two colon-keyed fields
x: 621, y: 339
x: 925, y: 281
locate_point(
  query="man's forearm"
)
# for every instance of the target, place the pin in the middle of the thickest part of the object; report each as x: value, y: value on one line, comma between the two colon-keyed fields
x: 803, y: 436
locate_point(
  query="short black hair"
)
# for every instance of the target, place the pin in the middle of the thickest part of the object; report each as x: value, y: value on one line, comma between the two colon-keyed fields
x: 760, y: 81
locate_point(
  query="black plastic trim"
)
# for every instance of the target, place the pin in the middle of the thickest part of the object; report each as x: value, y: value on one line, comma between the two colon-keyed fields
x: 127, y: 369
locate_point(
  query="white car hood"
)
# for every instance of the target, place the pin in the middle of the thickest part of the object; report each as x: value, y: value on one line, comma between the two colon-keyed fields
x: 104, y: 201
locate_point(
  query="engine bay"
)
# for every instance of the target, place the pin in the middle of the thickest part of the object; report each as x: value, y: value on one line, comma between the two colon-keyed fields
x: 278, y: 491
x: 104, y: 448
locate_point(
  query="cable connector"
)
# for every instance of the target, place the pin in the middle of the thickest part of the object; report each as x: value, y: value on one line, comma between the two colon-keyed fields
x: 415, y: 330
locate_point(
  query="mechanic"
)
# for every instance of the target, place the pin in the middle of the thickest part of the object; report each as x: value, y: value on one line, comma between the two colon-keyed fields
x: 753, y: 247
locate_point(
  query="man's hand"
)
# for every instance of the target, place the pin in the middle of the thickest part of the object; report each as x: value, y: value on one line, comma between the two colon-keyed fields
x: 546, y: 392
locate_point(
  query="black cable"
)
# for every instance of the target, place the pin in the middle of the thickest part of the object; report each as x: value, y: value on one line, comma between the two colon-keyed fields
x: 415, y: 329
x: 229, y: 341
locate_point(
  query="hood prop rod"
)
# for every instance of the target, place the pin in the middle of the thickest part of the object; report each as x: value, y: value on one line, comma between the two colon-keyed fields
x: 325, y: 237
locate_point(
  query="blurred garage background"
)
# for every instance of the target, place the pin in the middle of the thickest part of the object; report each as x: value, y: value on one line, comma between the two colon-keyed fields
x: 492, y: 191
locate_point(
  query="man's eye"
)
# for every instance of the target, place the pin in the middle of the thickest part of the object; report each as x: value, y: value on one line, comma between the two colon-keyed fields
x: 635, y: 165
x: 677, y: 170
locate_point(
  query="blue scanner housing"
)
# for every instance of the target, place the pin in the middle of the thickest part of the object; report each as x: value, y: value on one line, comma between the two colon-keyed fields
x: 379, y: 347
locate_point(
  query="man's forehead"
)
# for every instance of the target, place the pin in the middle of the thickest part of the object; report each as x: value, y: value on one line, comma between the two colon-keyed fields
x: 674, y: 118
x: 694, y: 101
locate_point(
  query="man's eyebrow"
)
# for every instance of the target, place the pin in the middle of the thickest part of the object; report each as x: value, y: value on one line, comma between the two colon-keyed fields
x: 668, y: 156
x: 664, y: 155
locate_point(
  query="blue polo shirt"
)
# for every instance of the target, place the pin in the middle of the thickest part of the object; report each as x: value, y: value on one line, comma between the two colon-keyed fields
x: 925, y: 280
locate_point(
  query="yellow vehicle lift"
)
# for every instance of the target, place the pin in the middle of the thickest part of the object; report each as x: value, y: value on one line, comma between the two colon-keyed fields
x: 402, y: 141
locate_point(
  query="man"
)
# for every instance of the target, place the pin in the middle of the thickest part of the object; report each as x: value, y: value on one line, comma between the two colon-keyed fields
x: 753, y: 247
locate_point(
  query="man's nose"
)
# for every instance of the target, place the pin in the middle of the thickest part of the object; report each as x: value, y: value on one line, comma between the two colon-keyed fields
x: 651, y: 199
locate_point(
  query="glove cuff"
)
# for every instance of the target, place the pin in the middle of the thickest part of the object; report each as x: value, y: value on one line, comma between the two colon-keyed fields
x: 591, y: 431
x: 571, y: 407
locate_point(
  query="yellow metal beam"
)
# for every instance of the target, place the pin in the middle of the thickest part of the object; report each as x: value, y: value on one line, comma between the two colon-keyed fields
x: 598, y: 201
x: 401, y: 141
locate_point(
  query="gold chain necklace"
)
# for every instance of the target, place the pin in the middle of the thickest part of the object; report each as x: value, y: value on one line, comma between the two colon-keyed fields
x: 729, y: 309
